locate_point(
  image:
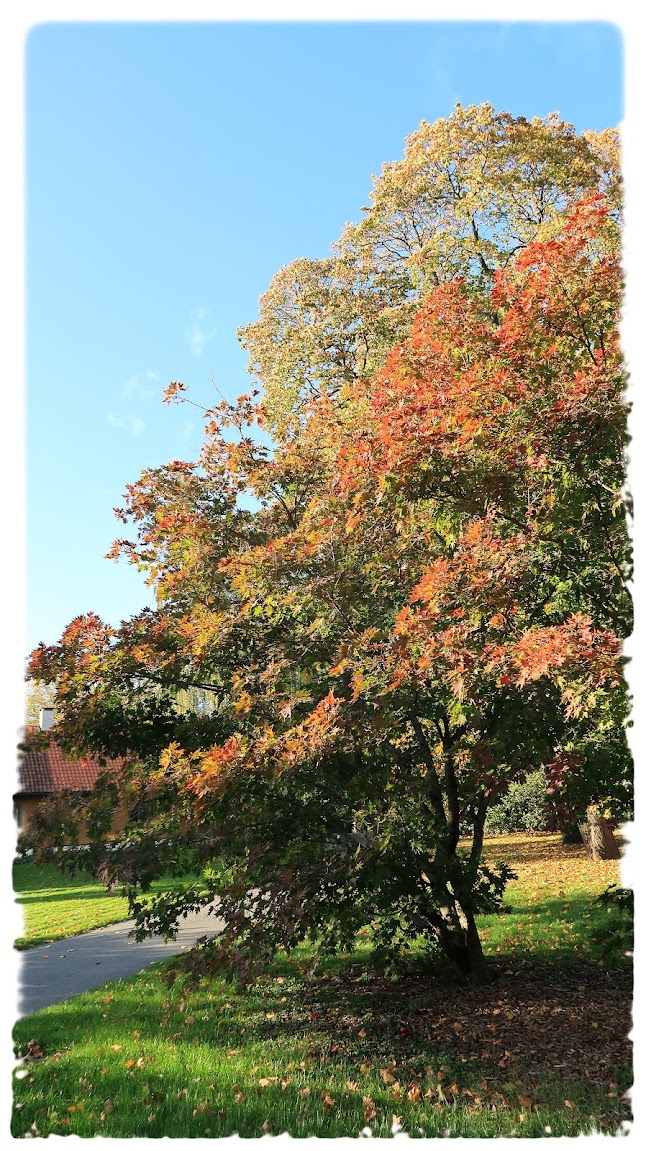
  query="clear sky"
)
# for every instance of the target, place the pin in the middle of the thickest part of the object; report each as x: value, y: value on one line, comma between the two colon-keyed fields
x: 171, y: 169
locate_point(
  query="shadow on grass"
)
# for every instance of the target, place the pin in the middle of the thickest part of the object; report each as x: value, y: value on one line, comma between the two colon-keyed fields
x: 555, y: 930
x: 213, y: 1062
x: 65, y: 896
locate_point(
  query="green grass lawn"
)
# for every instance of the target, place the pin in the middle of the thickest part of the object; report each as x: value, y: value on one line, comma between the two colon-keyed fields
x: 328, y: 1047
x: 55, y: 906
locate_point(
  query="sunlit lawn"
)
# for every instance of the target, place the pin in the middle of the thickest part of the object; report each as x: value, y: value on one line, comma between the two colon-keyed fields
x: 548, y: 908
x: 331, y: 1047
x: 55, y: 905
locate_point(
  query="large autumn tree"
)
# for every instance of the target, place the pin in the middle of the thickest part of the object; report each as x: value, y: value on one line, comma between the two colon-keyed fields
x: 424, y: 602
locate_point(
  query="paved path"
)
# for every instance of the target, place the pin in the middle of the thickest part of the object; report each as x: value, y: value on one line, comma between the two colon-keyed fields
x: 52, y: 972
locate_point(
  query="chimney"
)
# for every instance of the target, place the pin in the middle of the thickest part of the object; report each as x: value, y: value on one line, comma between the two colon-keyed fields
x: 46, y: 718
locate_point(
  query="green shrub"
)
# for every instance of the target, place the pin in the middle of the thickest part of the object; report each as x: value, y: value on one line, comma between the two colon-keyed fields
x: 617, y: 932
x: 522, y: 808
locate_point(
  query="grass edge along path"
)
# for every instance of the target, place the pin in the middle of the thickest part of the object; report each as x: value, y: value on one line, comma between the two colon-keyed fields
x: 57, y: 906
x: 328, y: 1047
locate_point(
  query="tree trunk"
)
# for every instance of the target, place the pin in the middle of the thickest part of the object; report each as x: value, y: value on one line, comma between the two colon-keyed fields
x: 599, y: 840
x: 570, y: 834
x: 457, y: 935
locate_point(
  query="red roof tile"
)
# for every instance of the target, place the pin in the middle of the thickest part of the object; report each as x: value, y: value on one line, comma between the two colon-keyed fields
x: 48, y: 770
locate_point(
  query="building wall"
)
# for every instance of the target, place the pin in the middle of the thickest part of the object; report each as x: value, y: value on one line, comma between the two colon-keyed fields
x: 26, y: 806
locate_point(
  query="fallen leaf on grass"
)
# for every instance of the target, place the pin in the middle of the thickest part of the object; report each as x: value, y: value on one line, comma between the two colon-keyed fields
x: 568, y: 1103
x: 305, y: 1092
x: 328, y: 1102
x: 266, y: 1127
x: 414, y: 1094
x: 352, y: 1085
x: 387, y: 1075
x: 362, y: 1033
x: 524, y: 1101
x: 370, y: 1111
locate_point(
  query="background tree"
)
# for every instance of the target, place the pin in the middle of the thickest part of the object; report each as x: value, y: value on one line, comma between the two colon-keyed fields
x: 470, y: 193
x: 37, y: 696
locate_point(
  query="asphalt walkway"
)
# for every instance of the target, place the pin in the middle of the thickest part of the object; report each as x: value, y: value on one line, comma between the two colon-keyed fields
x: 52, y: 972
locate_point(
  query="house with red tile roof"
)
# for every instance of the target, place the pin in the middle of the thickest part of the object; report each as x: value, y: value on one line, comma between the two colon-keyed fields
x: 42, y: 771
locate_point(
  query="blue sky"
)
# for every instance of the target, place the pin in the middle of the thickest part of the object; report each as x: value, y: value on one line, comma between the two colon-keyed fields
x: 171, y: 169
